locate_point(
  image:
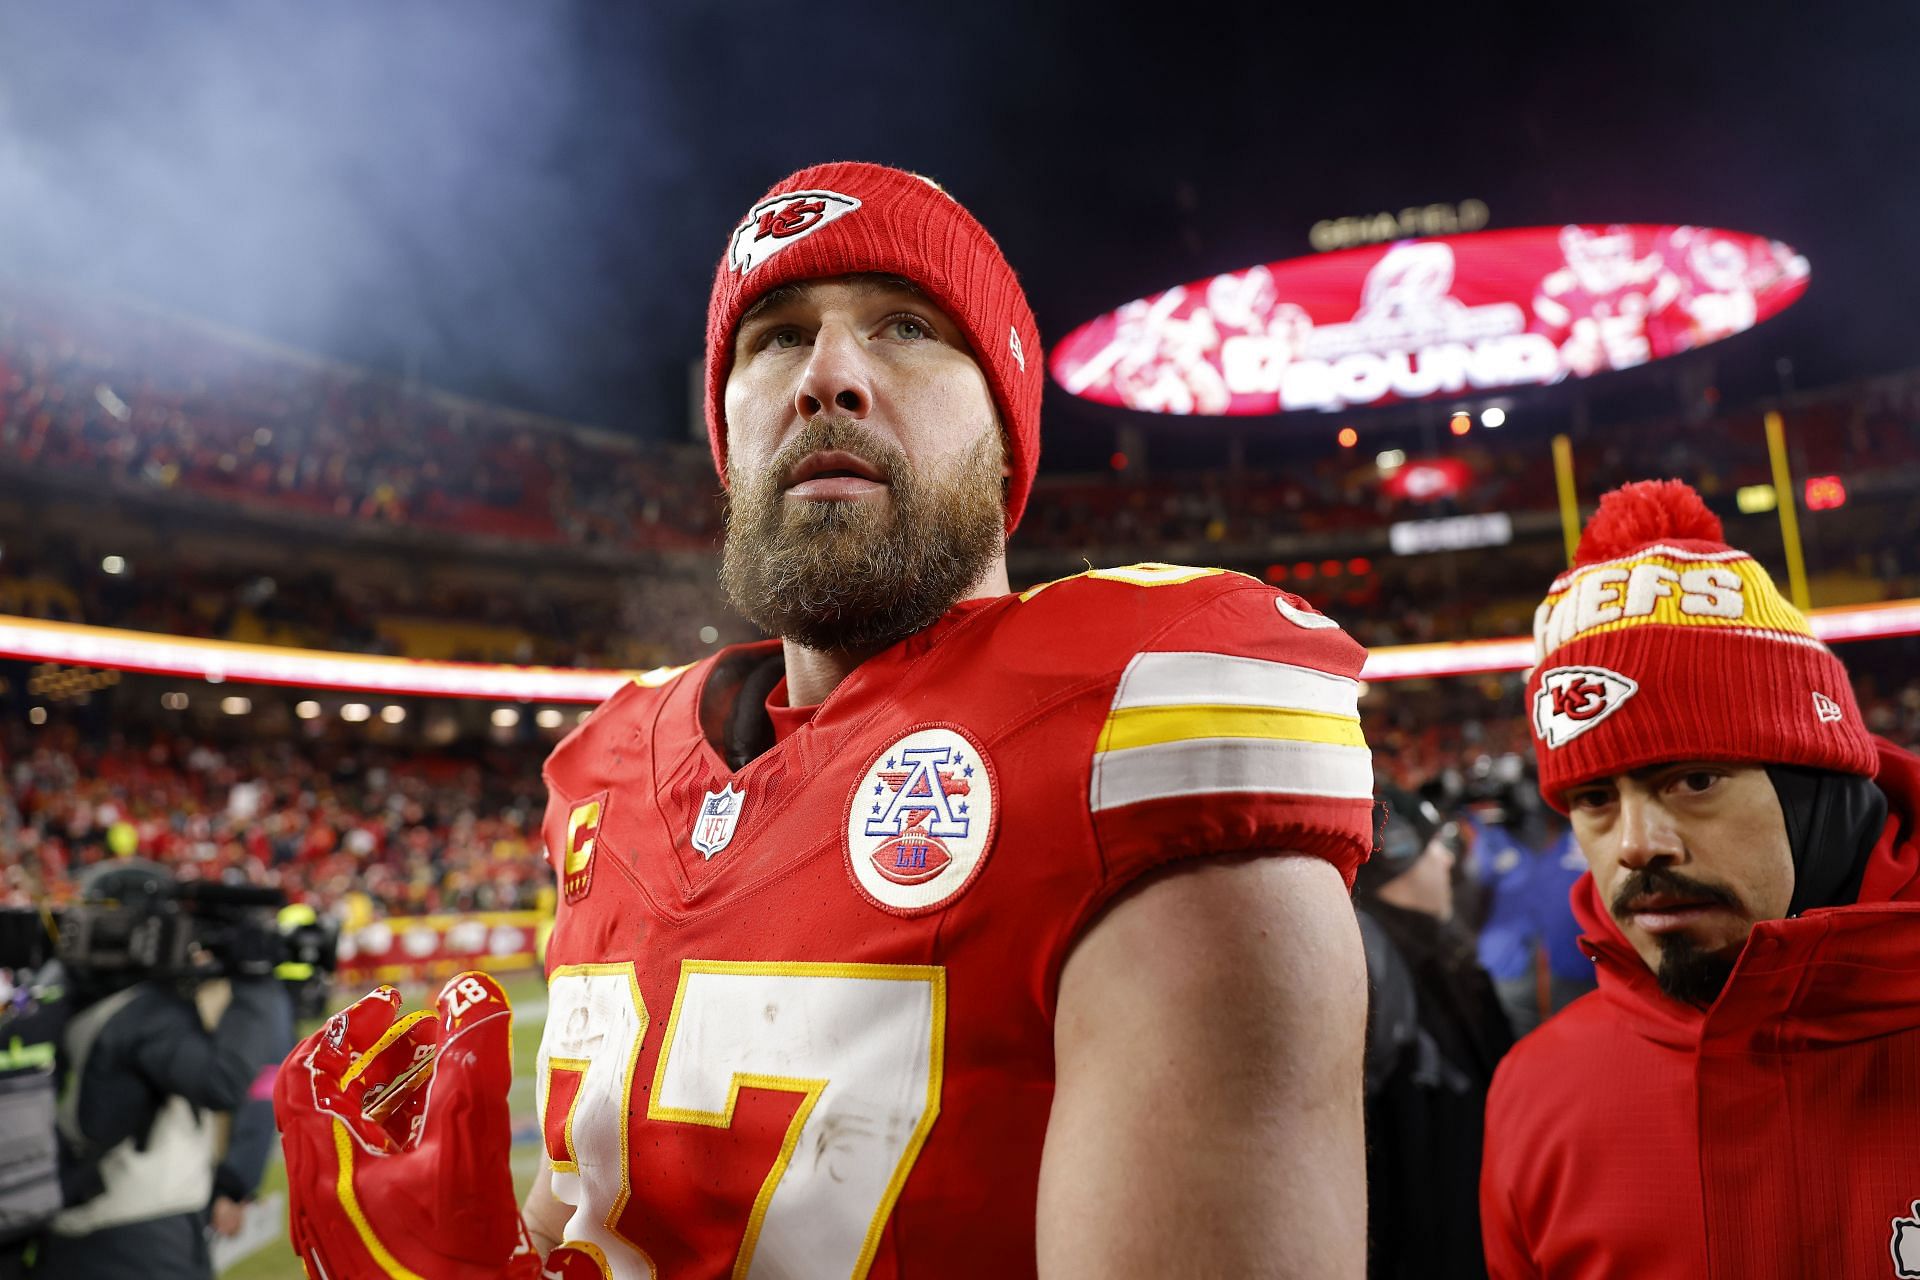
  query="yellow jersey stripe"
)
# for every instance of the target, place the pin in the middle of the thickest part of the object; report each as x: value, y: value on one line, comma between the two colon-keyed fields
x: 1131, y: 727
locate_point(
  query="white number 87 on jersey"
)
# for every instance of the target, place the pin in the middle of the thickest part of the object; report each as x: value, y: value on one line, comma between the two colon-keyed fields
x: 861, y: 1044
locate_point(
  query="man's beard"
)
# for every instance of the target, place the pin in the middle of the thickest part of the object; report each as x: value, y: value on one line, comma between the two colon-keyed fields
x: 1691, y: 974
x: 862, y: 575
x: 1687, y: 972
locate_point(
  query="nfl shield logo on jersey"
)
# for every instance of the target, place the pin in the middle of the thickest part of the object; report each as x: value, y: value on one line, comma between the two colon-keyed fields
x: 921, y: 819
x: 719, y: 815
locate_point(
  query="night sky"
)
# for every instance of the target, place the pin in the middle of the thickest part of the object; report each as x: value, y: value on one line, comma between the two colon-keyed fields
x: 524, y: 199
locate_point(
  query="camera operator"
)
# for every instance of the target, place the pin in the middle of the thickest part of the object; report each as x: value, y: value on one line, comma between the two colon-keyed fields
x: 310, y: 943
x: 143, y: 1072
x: 33, y: 1009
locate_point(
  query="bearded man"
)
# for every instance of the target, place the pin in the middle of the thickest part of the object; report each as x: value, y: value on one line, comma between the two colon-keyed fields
x: 1737, y: 1098
x: 952, y: 932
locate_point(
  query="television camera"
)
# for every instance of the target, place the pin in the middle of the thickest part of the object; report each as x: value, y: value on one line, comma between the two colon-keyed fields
x: 136, y: 922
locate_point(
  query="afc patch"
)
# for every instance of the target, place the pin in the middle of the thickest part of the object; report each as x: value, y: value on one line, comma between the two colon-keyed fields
x: 1572, y: 700
x: 782, y: 220
x: 921, y: 820
x: 583, y: 838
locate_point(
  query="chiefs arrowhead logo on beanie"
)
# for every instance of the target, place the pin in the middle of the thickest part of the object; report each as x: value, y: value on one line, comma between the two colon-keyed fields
x: 843, y: 218
x: 1664, y: 643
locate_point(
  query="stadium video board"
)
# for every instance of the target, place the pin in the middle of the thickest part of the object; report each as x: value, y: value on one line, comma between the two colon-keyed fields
x: 1446, y: 316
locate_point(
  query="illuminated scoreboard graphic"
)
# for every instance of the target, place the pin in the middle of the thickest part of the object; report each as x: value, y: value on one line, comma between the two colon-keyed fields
x: 1446, y: 316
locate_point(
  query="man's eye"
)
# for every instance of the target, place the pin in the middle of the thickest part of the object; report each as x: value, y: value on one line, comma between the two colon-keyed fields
x: 782, y: 338
x: 908, y: 329
x: 1588, y: 799
x: 1698, y: 781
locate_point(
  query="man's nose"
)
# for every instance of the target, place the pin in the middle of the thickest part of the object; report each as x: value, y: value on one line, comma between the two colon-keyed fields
x: 1647, y: 834
x: 837, y: 378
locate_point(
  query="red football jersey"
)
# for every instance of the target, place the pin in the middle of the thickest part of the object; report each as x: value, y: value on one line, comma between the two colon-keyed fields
x: 801, y: 1013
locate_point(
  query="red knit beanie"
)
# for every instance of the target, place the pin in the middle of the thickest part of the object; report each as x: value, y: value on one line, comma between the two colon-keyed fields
x: 1663, y: 643
x: 842, y: 218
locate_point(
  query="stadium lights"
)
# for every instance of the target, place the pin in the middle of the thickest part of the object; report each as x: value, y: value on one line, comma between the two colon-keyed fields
x: 355, y: 712
x: 215, y: 661
x: 103, y: 396
x: 548, y: 718
x: 1349, y: 437
x: 1493, y: 416
x: 235, y: 705
x: 174, y: 701
x: 36, y: 715
x: 1824, y: 493
x: 113, y: 566
x: 307, y: 710
x: 393, y: 714
x: 1390, y: 459
x: 709, y: 634
x: 505, y: 717
x: 32, y: 640
x: 1460, y: 423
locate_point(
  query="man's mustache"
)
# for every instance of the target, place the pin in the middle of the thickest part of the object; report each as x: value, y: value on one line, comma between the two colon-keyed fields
x: 1661, y: 882
x: 844, y: 435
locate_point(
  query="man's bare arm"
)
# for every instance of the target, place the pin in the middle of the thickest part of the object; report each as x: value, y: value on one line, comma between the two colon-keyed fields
x: 1207, y: 1116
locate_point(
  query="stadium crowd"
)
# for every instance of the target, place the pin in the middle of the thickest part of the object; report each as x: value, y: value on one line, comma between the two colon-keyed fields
x: 156, y: 403
x: 151, y: 402
x: 456, y: 828
x: 411, y: 832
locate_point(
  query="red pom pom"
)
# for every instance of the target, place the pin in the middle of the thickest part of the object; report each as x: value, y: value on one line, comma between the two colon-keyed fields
x: 1647, y: 511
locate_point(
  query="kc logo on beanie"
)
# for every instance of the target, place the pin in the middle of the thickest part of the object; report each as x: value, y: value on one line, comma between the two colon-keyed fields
x: 774, y: 224
x: 1663, y: 643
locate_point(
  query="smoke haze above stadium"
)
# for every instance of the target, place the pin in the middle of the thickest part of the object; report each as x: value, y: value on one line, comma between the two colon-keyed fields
x: 524, y: 200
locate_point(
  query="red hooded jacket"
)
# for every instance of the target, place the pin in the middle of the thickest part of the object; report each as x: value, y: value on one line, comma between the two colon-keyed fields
x: 1775, y: 1134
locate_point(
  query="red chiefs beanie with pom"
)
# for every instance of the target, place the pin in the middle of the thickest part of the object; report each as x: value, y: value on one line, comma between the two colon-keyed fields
x: 1663, y: 643
x: 839, y: 219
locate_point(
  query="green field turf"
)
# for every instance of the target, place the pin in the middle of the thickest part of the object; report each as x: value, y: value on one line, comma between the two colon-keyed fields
x: 529, y: 995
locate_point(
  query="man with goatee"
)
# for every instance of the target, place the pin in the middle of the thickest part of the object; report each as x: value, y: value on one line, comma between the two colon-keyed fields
x: 950, y: 933
x: 1738, y: 1099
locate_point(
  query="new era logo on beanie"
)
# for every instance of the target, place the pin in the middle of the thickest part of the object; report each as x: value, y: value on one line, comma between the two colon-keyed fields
x: 1663, y: 643
x: 849, y: 218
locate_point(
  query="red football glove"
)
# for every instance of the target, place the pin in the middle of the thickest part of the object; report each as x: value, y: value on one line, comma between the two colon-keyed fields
x: 397, y: 1136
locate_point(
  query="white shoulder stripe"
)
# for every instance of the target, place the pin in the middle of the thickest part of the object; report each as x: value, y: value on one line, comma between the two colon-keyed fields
x: 1200, y: 766
x: 1218, y: 679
